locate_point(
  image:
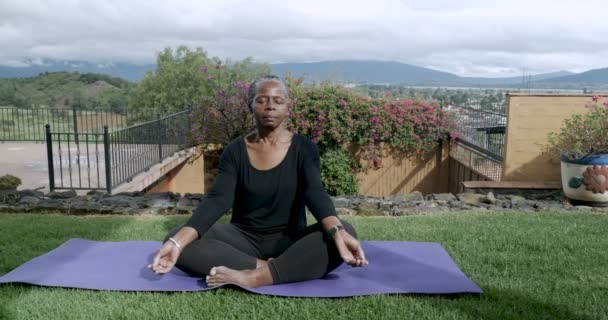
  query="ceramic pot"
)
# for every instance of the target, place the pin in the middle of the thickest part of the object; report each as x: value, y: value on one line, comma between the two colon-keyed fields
x: 585, y: 180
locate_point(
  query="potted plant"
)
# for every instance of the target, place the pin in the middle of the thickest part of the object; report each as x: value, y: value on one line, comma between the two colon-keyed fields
x: 8, y: 189
x: 9, y: 182
x: 582, y: 145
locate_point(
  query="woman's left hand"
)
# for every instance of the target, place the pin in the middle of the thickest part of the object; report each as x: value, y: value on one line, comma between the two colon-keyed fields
x: 350, y: 249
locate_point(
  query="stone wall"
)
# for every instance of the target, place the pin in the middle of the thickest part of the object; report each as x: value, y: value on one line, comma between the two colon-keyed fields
x: 67, y: 202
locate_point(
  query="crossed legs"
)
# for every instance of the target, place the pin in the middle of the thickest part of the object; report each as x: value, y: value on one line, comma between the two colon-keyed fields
x: 227, y: 254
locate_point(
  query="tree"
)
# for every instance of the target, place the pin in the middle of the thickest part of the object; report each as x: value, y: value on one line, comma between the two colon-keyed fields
x: 7, y: 94
x: 182, y: 77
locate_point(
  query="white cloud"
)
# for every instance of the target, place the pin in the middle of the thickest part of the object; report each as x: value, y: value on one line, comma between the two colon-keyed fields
x: 487, y: 38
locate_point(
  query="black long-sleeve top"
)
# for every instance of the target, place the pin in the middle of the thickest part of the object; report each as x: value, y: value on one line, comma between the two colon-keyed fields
x: 266, y: 201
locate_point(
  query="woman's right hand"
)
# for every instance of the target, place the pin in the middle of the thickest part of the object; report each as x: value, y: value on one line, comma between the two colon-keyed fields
x: 165, y: 258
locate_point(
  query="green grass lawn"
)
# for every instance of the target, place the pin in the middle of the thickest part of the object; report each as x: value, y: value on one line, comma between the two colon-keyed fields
x: 530, y: 266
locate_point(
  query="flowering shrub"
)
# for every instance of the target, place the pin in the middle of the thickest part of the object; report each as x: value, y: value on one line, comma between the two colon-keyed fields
x: 222, y: 116
x: 333, y: 115
x: 413, y: 127
x: 330, y: 115
x: 582, y: 134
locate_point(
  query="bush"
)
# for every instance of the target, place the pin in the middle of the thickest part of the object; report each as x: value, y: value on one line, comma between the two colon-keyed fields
x: 337, y: 172
x: 9, y: 182
x: 221, y: 117
x: 582, y: 134
x: 332, y: 116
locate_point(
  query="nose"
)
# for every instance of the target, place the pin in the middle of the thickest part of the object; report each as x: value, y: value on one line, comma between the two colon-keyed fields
x: 270, y: 105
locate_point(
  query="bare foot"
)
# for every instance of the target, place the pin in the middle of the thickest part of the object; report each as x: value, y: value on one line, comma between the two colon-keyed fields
x: 248, y: 278
x: 262, y: 263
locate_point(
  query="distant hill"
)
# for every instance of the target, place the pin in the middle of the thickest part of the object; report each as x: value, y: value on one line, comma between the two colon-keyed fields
x: 127, y: 71
x: 515, y: 80
x: 380, y: 72
x: 365, y: 72
x: 591, y: 77
x: 65, y: 90
x: 347, y: 71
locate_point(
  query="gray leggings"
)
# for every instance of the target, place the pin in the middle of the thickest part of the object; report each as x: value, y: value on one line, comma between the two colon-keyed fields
x: 307, y: 255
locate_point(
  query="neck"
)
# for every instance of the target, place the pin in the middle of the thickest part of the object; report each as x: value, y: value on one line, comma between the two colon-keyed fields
x: 272, y: 136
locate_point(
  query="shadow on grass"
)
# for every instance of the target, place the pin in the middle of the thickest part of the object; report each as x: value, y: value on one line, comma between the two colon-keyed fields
x: 497, y: 303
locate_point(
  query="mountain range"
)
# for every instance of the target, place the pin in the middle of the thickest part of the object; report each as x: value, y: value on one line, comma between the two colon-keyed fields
x: 131, y: 72
x: 347, y: 71
x: 386, y: 72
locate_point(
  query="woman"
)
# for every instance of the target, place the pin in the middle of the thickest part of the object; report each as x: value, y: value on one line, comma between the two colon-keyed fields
x: 267, y: 177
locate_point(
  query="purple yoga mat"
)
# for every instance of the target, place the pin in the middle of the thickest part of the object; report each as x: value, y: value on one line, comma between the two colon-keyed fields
x: 395, y: 267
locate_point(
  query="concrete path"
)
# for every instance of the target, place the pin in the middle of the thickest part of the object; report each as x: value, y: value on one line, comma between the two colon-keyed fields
x: 26, y: 160
x: 74, y: 167
x: 83, y: 166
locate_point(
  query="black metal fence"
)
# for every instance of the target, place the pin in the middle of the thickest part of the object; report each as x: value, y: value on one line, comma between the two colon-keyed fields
x: 135, y: 149
x: 78, y: 161
x: 483, y: 128
x: 478, y: 153
x: 19, y: 124
x: 104, y: 160
x: 480, y: 163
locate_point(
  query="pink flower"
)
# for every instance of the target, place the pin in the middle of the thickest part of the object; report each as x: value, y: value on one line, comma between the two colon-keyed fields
x: 321, y: 117
x: 375, y: 121
x: 240, y: 85
x: 454, y: 135
x: 596, y: 98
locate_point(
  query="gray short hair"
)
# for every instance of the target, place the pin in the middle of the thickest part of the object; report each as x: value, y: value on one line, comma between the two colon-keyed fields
x: 253, y: 88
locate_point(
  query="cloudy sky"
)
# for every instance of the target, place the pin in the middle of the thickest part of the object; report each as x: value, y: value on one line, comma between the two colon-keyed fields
x: 469, y: 38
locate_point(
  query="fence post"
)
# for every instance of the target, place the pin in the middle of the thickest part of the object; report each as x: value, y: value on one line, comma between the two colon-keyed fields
x: 188, y: 141
x: 107, y: 160
x: 75, y: 120
x: 160, y: 144
x: 49, y: 157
